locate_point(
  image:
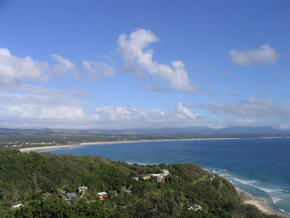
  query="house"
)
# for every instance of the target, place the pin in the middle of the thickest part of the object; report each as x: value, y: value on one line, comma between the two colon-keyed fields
x: 156, y: 174
x: 160, y: 177
x: 17, y: 206
x: 146, y: 177
x: 102, y: 195
x: 69, y: 196
x: 195, y: 207
x: 82, y: 189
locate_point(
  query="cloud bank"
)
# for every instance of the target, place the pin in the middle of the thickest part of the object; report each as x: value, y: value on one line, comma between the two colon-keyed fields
x: 58, y: 111
x: 253, y: 107
x: 181, y: 115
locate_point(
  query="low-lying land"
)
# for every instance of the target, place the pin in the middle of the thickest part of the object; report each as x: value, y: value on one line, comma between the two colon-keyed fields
x: 43, y: 147
x: 26, y: 138
x: 47, y: 185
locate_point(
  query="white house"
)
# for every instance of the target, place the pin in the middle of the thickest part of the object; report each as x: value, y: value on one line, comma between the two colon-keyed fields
x: 102, y: 195
x: 17, y: 205
x: 82, y: 189
x: 195, y: 207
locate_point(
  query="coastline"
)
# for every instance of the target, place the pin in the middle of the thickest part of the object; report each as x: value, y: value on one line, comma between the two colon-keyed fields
x: 261, y: 203
x: 117, y: 142
x: 27, y: 149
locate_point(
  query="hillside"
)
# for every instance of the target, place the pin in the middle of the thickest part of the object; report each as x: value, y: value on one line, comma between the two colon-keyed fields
x: 46, y: 185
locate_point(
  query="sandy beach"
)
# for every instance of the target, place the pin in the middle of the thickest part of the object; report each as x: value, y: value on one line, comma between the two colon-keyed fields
x: 261, y: 203
x: 115, y: 142
x: 127, y: 141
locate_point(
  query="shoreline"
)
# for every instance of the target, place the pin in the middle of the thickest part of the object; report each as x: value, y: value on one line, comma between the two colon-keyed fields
x: 117, y: 142
x: 136, y: 141
x: 261, y: 203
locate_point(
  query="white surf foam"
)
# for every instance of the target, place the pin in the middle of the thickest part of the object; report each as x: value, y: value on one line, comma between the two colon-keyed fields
x: 140, y: 163
x: 284, y: 211
x: 276, y: 194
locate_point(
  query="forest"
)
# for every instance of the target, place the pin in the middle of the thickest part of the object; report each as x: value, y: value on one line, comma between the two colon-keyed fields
x: 38, y: 181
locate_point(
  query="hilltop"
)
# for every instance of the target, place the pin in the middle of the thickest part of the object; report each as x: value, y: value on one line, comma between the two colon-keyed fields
x: 49, y: 185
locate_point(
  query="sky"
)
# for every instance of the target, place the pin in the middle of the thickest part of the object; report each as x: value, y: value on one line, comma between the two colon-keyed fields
x: 124, y: 64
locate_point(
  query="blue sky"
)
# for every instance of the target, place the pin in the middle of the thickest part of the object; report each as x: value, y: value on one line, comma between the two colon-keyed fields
x: 131, y: 64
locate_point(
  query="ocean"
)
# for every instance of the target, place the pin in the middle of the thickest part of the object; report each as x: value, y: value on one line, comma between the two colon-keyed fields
x: 258, y: 166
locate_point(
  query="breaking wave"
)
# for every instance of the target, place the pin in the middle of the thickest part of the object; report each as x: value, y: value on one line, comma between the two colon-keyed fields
x: 277, y: 195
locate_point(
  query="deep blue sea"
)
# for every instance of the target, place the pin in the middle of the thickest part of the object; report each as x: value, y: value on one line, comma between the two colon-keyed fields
x: 258, y: 166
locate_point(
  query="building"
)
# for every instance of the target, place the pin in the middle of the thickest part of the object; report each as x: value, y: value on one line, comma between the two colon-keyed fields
x: 69, y: 196
x: 146, y: 177
x: 17, y: 206
x: 195, y: 207
x: 82, y: 189
x: 160, y: 177
x: 102, y: 195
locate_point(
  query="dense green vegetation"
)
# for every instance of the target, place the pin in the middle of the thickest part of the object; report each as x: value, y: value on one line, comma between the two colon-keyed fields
x: 35, y: 180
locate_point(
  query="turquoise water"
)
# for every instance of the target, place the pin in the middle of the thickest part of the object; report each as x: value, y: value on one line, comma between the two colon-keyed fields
x: 259, y: 166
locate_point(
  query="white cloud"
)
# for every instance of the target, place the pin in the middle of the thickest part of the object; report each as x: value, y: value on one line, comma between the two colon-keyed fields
x: 183, y: 113
x: 138, y: 59
x: 64, y: 65
x: 265, y: 54
x: 13, y: 68
x: 59, y: 111
x: 38, y: 107
x: 37, y: 111
x: 127, y: 117
x: 97, y: 70
x: 253, y: 107
x: 17, y: 72
x: 54, y: 110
